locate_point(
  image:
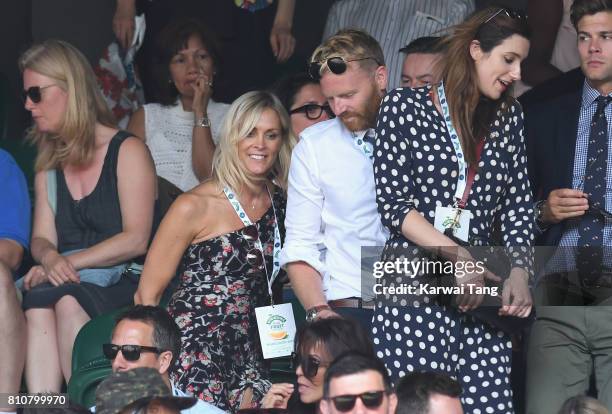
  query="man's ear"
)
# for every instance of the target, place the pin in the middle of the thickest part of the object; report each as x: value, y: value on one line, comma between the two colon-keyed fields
x: 324, y: 407
x: 381, y: 77
x: 475, y: 50
x: 164, y: 360
x: 392, y: 403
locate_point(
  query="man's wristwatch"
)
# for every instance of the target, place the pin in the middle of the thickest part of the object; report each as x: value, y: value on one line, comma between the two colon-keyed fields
x: 538, y: 210
x: 313, y: 313
x: 202, y: 122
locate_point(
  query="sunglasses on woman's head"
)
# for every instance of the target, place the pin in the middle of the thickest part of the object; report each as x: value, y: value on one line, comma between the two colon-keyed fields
x: 371, y: 399
x: 313, y: 111
x: 310, y: 365
x: 34, y: 93
x: 129, y: 352
x: 337, y: 65
x: 511, y: 13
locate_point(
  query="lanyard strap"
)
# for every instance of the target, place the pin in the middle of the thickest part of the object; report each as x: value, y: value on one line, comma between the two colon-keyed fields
x: 364, y: 146
x: 461, y: 177
x: 471, y: 176
x: 242, y: 215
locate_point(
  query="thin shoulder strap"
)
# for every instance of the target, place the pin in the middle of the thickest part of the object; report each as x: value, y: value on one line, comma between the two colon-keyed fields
x: 52, y: 189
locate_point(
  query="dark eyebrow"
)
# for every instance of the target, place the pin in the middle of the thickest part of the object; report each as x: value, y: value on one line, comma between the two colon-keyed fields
x: 604, y: 32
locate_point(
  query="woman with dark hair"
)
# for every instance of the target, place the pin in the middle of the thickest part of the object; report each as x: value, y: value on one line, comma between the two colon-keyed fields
x: 317, y: 344
x: 182, y: 128
x: 302, y: 98
x: 450, y: 161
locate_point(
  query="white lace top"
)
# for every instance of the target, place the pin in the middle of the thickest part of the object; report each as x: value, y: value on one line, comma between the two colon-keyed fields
x: 169, y: 132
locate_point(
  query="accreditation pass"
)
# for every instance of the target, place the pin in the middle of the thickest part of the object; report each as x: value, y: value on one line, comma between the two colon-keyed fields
x: 25, y: 400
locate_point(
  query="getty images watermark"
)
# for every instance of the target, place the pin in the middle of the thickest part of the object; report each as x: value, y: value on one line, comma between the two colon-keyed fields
x: 411, y: 268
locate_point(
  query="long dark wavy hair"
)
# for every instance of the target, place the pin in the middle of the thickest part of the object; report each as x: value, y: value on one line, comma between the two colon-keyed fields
x: 470, y: 112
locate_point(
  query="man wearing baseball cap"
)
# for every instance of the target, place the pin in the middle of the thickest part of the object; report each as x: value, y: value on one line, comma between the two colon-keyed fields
x: 138, y: 389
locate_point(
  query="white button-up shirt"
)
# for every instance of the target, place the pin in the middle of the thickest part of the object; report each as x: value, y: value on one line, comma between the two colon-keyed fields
x: 331, y: 208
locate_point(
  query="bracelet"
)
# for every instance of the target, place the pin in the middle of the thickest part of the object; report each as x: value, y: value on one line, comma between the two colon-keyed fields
x: 202, y: 122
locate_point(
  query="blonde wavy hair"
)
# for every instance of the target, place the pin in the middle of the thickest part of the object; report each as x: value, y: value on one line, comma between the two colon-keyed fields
x: 74, y: 142
x: 240, y: 119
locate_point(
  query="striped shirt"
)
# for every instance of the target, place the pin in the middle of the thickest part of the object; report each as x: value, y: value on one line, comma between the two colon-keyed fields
x: 395, y: 23
x: 562, y: 261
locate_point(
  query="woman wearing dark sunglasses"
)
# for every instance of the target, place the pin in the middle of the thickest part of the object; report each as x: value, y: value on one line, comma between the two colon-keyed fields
x: 317, y: 344
x: 302, y: 98
x: 451, y: 169
x: 223, y: 235
x: 95, y: 196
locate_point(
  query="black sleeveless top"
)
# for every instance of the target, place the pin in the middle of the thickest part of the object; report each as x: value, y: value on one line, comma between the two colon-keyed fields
x: 97, y: 216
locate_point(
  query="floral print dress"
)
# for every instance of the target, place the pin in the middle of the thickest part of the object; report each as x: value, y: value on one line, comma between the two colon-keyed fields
x: 214, y: 306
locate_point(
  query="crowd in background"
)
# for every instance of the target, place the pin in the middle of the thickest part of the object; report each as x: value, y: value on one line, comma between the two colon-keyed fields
x: 208, y: 163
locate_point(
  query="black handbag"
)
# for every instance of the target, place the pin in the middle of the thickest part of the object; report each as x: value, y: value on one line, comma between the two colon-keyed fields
x: 496, y: 260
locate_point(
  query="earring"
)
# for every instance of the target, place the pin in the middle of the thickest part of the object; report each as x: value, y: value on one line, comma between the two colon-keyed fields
x: 169, y: 80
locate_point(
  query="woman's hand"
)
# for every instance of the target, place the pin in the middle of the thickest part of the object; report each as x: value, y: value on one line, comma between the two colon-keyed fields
x: 277, y: 396
x: 473, y: 280
x: 516, y: 297
x: 202, y: 92
x: 143, y: 298
x: 58, y: 268
x: 123, y: 22
x: 34, y: 277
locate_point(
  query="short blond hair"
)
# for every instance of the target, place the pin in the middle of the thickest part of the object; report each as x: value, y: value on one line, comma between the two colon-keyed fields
x: 350, y: 44
x: 241, y: 118
x: 75, y: 141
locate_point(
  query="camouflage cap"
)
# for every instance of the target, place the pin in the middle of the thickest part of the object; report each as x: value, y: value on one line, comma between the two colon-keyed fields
x: 135, y: 386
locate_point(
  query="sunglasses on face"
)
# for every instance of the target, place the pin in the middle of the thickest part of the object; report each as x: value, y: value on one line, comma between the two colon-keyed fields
x: 313, y: 111
x: 511, y: 13
x: 372, y: 399
x: 337, y: 65
x: 310, y: 364
x: 34, y: 93
x: 129, y: 352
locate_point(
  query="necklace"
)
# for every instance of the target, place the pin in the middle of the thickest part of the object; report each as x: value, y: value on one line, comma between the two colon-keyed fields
x: 255, y: 199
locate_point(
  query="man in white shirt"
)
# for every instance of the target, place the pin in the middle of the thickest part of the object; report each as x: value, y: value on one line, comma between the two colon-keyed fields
x: 331, y: 205
x: 395, y: 23
x: 147, y: 336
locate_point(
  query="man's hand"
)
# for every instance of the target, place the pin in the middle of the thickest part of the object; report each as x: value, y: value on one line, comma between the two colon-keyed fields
x: 563, y: 204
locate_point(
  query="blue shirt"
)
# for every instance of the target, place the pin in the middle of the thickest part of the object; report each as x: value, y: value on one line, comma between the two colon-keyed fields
x: 15, y: 208
x: 569, y: 240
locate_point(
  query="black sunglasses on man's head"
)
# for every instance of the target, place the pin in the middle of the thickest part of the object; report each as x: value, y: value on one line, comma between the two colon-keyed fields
x: 336, y: 64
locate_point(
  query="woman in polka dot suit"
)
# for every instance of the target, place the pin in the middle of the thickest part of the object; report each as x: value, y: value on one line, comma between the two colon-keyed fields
x: 427, y: 140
